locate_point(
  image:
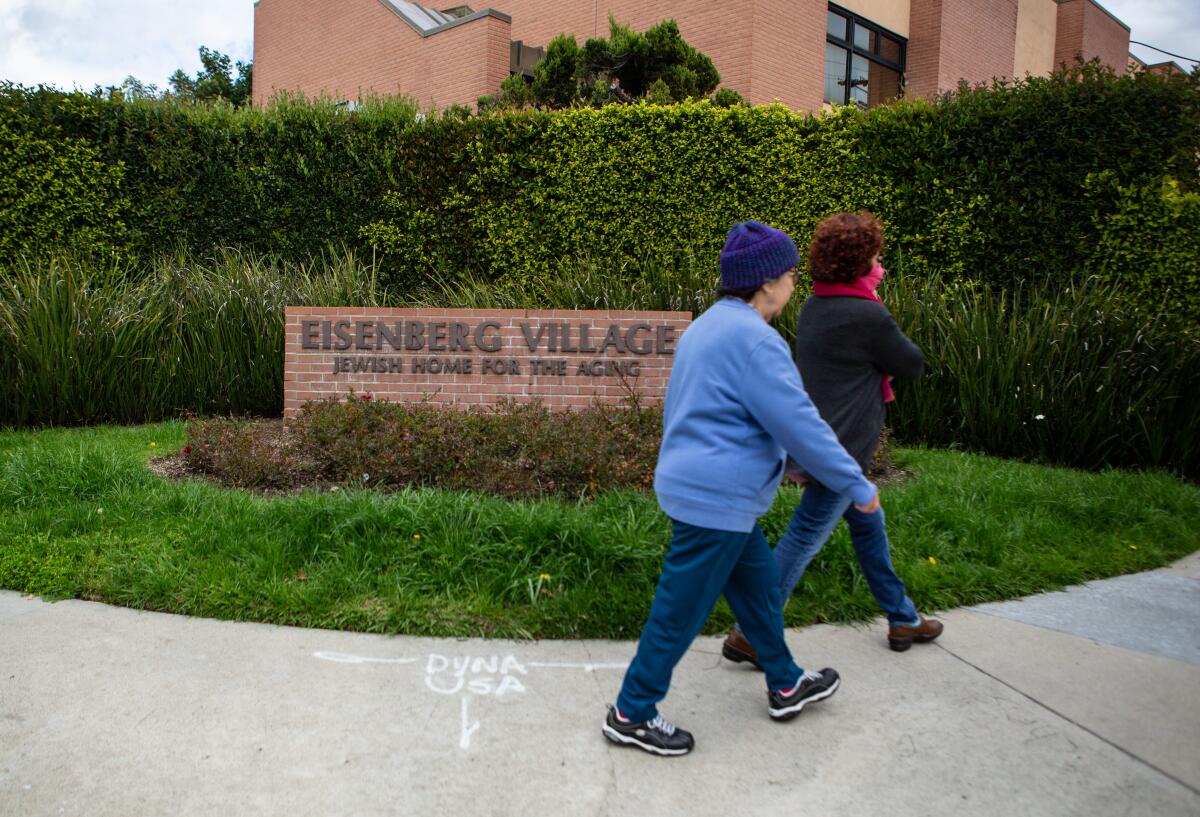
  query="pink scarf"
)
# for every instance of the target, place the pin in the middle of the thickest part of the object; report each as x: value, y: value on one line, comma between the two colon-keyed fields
x: 864, y: 288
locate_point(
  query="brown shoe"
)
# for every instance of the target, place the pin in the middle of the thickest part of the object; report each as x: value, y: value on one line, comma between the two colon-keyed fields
x: 901, y: 637
x: 737, y: 649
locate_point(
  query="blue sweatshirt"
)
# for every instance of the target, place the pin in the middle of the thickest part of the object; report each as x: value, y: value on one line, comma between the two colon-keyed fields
x: 734, y: 407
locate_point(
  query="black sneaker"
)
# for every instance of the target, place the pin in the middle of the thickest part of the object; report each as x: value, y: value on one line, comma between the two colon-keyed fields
x: 812, y: 686
x: 655, y: 736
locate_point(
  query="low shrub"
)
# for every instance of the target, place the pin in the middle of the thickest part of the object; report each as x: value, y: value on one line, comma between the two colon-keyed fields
x: 514, y: 450
x: 248, y: 454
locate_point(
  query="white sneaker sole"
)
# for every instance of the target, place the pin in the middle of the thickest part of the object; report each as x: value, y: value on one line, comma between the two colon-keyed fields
x: 628, y: 740
x: 792, y: 711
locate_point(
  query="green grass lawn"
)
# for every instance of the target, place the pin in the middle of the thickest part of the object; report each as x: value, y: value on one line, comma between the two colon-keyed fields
x: 81, y: 516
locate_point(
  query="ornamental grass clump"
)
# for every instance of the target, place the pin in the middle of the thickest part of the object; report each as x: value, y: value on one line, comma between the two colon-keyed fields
x: 1067, y: 374
x: 84, y: 342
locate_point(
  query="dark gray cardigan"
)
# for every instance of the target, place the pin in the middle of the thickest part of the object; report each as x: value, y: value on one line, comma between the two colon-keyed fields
x: 844, y: 346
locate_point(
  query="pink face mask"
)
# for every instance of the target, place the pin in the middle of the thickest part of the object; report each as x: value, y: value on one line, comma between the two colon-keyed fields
x: 873, y: 277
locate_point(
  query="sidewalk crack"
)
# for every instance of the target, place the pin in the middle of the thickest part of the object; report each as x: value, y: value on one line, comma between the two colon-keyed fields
x: 603, y: 809
x: 1069, y: 720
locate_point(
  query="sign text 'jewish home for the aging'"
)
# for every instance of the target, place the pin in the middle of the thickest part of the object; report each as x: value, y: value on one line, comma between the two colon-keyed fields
x: 564, y: 358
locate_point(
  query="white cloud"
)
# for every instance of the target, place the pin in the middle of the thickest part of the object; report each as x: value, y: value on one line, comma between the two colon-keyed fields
x: 1170, y: 24
x: 99, y: 42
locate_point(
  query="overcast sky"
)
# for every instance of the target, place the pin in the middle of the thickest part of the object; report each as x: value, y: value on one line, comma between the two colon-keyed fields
x: 85, y: 43
x: 100, y: 42
x: 1170, y: 24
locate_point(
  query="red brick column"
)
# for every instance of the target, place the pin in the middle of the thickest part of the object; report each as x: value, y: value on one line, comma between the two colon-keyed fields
x: 1086, y: 30
x: 954, y: 40
x: 788, y: 60
x: 466, y: 357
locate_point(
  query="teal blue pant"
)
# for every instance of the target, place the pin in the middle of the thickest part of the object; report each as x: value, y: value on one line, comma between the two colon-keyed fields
x: 700, y: 565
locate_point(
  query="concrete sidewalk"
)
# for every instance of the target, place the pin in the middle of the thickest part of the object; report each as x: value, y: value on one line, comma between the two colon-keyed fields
x: 1078, y: 703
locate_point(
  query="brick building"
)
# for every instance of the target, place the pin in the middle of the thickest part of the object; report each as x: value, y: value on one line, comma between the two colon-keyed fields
x: 1169, y: 68
x: 803, y: 53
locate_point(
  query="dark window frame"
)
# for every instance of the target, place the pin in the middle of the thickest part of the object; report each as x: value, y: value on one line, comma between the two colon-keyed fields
x: 856, y: 21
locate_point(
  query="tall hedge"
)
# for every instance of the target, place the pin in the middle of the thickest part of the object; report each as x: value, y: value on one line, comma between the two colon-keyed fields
x: 56, y: 191
x: 621, y: 185
x: 1036, y: 179
x: 1147, y: 240
x: 994, y: 185
x: 287, y: 182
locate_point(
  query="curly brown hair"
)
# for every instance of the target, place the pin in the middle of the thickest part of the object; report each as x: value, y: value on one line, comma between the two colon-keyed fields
x: 844, y: 247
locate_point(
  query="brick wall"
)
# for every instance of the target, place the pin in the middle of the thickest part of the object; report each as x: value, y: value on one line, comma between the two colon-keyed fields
x: 955, y: 40
x: 1068, y: 41
x: 923, y: 58
x: 478, y: 362
x: 357, y: 47
x: 1086, y: 30
x: 765, y: 49
x: 789, y: 53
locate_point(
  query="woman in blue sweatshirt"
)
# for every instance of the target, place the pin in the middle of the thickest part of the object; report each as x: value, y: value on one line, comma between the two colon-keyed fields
x: 734, y: 409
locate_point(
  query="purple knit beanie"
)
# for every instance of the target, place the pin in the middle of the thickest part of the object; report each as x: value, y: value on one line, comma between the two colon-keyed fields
x: 754, y: 254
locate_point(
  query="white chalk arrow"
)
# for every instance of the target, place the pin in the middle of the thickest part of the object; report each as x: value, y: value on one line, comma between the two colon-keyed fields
x: 584, y: 667
x: 468, y: 729
x: 344, y: 658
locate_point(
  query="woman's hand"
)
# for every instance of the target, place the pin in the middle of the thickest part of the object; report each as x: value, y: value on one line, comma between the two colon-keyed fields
x: 870, y: 507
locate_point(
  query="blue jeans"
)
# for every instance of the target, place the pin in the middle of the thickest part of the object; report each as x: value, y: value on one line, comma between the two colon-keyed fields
x: 700, y: 565
x: 815, y: 518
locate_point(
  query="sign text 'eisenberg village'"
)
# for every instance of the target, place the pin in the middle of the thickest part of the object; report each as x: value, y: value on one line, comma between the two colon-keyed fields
x: 565, y: 358
x: 356, y: 340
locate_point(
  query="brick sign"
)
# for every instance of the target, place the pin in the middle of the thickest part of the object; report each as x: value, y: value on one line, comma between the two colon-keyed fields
x: 566, y: 359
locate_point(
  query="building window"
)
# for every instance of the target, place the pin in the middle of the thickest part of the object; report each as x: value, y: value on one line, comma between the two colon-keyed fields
x: 864, y: 63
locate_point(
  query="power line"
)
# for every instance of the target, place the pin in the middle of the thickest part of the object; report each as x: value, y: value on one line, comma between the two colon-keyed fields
x: 1169, y: 53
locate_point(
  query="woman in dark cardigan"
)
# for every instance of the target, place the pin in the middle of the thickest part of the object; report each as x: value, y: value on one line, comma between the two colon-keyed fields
x: 848, y: 349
